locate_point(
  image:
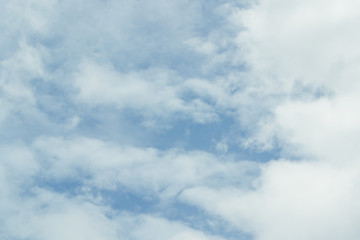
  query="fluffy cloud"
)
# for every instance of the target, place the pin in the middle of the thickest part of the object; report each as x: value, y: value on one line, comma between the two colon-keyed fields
x: 154, y: 92
x: 303, y: 56
x: 312, y: 42
x: 77, y: 78
x: 292, y: 200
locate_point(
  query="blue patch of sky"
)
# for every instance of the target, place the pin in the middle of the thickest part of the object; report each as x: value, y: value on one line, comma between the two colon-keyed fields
x: 200, y: 220
x: 188, y: 135
x: 69, y: 187
x: 53, y: 100
x: 110, y: 124
x: 126, y: 200
x: 192, y: 136
x: 24, y: 125
x: 9, y: 46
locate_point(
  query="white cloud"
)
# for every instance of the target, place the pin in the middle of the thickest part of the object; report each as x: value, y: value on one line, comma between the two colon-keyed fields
x: 150, y: 171
x: 303, y: 59
x: 153, y: 92
x: 326, y: 129
x: 16, y: 72
x: 290, y: 79
x: 293, y: 200
x: 47, y: 215
x: 313, y: 42
x: 150, y: 90
x: 202, y: 46
x: 296, y: 51
x: 51, y: 216
x: 28, y: 211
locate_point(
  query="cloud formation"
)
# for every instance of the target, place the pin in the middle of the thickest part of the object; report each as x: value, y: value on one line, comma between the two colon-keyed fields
x: 179, y: 120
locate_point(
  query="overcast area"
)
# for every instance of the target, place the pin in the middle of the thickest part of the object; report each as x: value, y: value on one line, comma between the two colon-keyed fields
x: 179, y: 120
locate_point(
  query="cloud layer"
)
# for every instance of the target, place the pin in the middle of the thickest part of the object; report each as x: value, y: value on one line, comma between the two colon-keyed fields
x: 179, y: 120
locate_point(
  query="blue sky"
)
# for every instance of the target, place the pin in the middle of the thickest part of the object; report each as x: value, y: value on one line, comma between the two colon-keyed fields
x: 199, y: 120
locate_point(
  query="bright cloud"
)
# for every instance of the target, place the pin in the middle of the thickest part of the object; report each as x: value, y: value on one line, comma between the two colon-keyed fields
x: 179, y: 119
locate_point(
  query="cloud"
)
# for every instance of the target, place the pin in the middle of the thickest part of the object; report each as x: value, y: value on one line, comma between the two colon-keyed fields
x: 78, y: 79
x: 297, y: 200
x: 51, y: 216
x: 149, y: 227
x: 147, y: 171
x: 154, y: 92
x: 16, y: 73
x: 47, y: 215
x: 302, y: 57
x: 307, y: 41
x: 30, y: 208
x: 90, y: 92
x: 328, y: 128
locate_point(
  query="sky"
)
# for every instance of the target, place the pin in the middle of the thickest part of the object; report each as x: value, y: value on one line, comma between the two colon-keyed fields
x: 172, y: 120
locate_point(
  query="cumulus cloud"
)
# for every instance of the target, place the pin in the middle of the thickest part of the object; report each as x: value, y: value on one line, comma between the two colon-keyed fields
x: 292, y: 200
x: 304, y: 56
x: 307, y: 41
